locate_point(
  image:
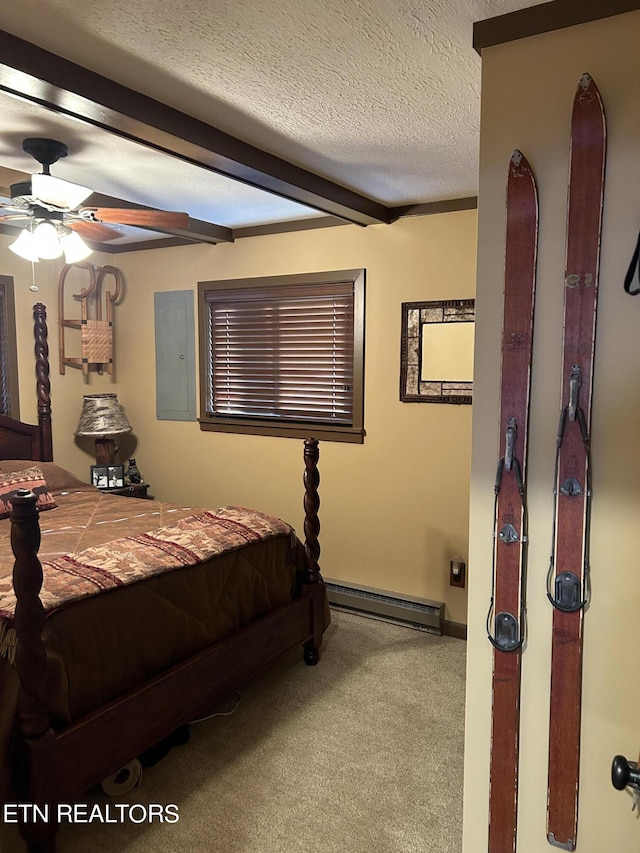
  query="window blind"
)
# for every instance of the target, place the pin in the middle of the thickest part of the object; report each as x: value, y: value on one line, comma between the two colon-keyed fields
x: 282, y: 352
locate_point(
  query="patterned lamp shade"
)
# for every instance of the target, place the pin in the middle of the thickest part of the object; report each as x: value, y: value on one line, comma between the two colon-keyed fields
x: 101, y: 418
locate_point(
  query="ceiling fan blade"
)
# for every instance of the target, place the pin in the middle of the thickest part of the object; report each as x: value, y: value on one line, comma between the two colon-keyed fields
x: 141, y: 217
x: 16, y: 215
x: 93, y: 230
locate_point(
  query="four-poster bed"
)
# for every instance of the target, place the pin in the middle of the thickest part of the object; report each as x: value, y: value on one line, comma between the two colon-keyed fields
x: 91, y: 680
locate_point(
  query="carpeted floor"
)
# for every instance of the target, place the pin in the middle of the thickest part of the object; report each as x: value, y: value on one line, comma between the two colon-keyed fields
x: 360, y: 754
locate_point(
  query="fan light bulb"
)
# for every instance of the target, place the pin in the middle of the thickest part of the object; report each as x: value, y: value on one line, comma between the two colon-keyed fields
x: 74, y: 247
x: 47, y: 241
x: 25, y: 246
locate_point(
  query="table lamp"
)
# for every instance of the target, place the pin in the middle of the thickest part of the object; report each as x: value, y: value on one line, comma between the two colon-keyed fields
x: 102, y: 417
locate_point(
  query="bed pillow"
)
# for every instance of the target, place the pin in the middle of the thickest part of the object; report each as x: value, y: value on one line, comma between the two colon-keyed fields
x: 58, y: 479
x: 29, y: 478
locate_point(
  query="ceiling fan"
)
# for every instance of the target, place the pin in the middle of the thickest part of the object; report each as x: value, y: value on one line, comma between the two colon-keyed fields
x: 53, y: 207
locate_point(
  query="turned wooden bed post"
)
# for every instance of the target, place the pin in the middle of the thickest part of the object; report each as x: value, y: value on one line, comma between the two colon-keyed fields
x: 312, y: 546
x: 311, y: 507
x: 36, y: 745
x: 43, y: 386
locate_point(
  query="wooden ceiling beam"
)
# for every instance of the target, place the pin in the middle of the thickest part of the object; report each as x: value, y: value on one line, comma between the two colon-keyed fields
x: 36, y: 75
x: 545, y: 18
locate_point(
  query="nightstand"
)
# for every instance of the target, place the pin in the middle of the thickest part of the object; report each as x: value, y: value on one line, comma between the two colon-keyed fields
x: 134, y: 490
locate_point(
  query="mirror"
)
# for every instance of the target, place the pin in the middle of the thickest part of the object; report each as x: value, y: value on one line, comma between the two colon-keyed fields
x: 436, y: 363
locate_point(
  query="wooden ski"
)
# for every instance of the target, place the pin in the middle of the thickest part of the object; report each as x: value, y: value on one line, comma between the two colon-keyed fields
x: 568, y: 585
x: 506, y: 616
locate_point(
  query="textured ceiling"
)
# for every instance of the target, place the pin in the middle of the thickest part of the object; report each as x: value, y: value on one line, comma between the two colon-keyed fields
x: 380, y: 96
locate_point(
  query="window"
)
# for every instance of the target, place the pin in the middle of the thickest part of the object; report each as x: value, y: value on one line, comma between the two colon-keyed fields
x: 283, y: 355
x: 9, y: 404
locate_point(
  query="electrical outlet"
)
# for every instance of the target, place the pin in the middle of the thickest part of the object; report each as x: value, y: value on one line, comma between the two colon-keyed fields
x: 457, y: 572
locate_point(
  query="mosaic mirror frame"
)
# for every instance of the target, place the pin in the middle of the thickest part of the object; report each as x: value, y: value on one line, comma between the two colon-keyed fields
x: 415, y: 387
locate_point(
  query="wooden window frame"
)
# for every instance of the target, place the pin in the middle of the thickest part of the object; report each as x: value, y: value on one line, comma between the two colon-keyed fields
x: 9, y: 367
x: 287, y: 429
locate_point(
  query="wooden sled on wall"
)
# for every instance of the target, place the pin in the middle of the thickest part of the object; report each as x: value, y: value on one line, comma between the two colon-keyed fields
x: 96, y: 333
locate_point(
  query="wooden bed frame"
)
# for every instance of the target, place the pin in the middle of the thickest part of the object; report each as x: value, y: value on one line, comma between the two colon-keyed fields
x: 58, y: 766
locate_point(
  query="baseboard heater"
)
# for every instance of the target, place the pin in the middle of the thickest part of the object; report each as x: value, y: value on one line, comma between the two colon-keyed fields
x: 417, y: 613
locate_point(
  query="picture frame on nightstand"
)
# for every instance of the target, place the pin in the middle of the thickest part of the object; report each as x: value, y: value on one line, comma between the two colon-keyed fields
x: 107, y: 476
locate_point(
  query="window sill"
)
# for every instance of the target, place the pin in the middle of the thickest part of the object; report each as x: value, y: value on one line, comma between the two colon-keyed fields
x: 322, y: 432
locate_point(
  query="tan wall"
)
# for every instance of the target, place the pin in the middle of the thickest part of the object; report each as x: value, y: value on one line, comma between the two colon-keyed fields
x: 394, y: 510
x: 67, y: 390
x: 527, y: 93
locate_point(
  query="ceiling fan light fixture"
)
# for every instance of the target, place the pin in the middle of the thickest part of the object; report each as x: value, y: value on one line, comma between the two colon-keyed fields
x: 49, y: 240
x: 58, y: 192
x: 26, y: 246
x: 51, y: 204
x: 74, y: 247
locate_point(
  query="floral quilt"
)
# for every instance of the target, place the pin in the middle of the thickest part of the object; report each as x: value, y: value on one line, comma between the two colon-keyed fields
x: 186, y: 542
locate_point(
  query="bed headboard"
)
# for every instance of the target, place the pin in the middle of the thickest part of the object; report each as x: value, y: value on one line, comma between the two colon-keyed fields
x: 20, y: 440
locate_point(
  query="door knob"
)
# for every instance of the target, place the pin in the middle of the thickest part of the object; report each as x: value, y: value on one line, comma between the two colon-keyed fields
x: 624, y: 773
